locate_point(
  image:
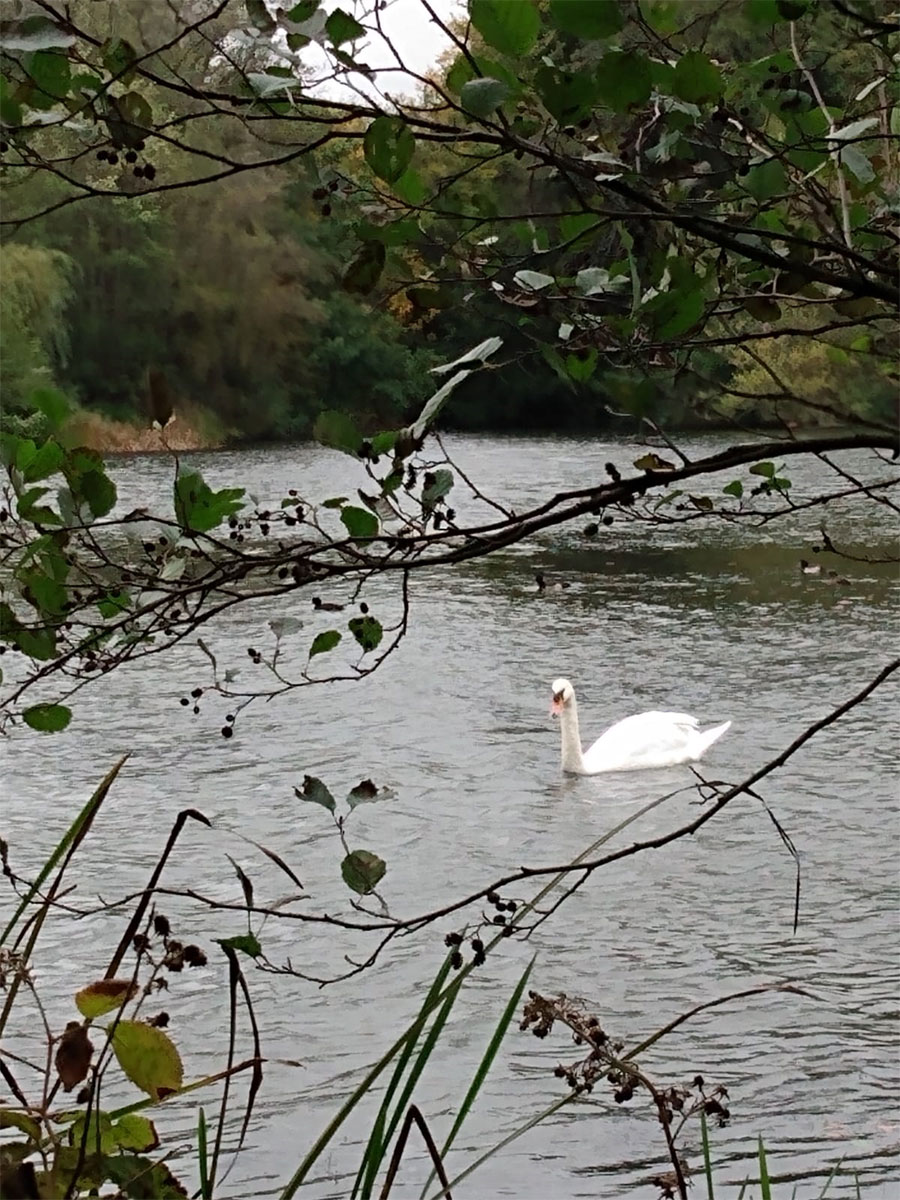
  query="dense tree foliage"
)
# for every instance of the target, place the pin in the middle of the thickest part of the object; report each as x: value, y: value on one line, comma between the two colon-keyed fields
x: 630, y: 194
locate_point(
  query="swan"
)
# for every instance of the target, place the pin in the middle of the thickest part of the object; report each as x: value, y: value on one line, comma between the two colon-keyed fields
x: 650, y: 739
x: 807, y: 568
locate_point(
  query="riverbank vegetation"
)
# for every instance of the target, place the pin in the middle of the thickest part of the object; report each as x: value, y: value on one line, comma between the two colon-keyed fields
x: 587, y: 214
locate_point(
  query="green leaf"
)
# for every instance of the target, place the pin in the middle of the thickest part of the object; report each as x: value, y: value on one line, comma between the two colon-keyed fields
x: 364, y: 269
x: 52, y: 403
x: 134, y: 1132
x: 148, y: 1057
x: 117, y: 56
x: 323, y: 642
x: 624, y: 79
x: 696, y: 78
x: 341, y: 27
x: 858, y: 163
x: 765, y: 180
x: 10, y: 108
x: 359, y: 522
x: 766, y: 469
x: 762, y: 12
x: 103, y: 996
x: 98, y: 490
x: 49, y: 70
x: 511, y: 28
x: 676, y: 311
x: 198, y: 508
x: 587, y: 18
x: 47, y: 461
x: 337, y: 430
x: 247, y: 943
x: 47, y: 718
x: 459, y: 74
x: 11, y: 1119
x: 45, y: 593
x: 762, y: 308
x: 98, y: 1136
x: 389, y: 147
x: 437, y: 485
x: 113, y: 604
x: 367, y: 631
x: 140, y: 1178
x: 702, y: 502
x: 259, y: 16
x: 481, y: 97
x: 735, y: 488
x: 411, y: 188
x: 581, y: 364
x: 303, y: 11
x: 362, y: 871
x: 315, y: 791
x: 136, y: 111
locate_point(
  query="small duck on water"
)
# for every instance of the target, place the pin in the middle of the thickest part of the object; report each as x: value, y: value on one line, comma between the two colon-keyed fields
x: 548, y: 585
x: 808, y: 569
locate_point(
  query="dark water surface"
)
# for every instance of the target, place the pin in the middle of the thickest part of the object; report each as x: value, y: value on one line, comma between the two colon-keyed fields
x: 707, y: 617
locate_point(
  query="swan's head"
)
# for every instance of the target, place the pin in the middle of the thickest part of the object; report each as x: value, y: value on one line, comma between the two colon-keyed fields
x: 563, y: 695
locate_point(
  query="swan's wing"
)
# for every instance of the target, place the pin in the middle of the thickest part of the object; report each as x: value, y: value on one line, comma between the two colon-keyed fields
x: 650, y: 737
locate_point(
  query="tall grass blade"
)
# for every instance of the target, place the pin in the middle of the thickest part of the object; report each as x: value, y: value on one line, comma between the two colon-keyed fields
x: 834, y: 1171
x: 376, y: 1146
x: 348, y: 1106
x: 205, y: 1188
x: 765, y: 1187
x: 413, y: 1078
x: 484, y: 1066
x: 707, y: 1162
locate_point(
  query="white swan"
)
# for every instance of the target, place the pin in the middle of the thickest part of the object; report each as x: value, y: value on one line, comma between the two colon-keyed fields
x: 650, y: 739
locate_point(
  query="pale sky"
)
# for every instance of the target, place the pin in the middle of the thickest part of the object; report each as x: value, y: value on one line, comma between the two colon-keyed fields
x: 417, y: 39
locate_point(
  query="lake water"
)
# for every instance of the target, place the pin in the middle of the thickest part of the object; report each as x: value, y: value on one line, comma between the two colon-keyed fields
x: 706, y: 617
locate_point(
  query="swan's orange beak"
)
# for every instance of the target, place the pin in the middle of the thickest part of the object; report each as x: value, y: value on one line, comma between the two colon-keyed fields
x: 556, y: 706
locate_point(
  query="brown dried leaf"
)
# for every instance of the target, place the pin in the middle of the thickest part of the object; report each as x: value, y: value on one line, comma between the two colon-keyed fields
x: 73, y: 1056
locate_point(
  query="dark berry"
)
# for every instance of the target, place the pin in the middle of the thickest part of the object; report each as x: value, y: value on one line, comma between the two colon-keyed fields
x: 112, y: 157
x: 456, y: 960
x: 140, y: 145
x: 227, y: 731
x: 184, y: 702
x: 161, y: 925
x: 364, y: 608
x: 161, y: 1020
x: 230, y: 718
x: 139, y: 172
x: 102, y: 155
x: 492, y: 898
x: 197, y: 693
x: 149, y: 171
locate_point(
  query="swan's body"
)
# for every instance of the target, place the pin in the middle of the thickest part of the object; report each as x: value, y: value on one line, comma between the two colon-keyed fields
x: 650, y: 739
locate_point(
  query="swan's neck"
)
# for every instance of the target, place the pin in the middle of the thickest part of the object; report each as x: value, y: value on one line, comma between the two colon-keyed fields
x: 572, y: 759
